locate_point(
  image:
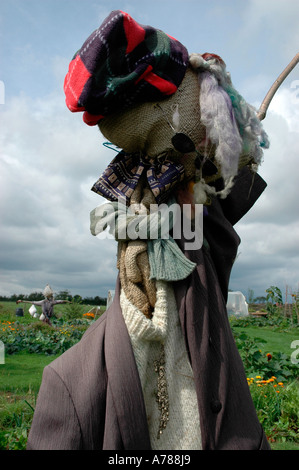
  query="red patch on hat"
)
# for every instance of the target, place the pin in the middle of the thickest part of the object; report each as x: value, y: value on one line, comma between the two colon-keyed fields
x: 144, y: 74
x: 74, y: 83
x: 135, y: 34
x: 92, y: 119
x: 166, y: 87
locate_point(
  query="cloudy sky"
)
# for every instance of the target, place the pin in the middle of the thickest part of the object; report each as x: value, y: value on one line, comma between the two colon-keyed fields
x: 50, y: 158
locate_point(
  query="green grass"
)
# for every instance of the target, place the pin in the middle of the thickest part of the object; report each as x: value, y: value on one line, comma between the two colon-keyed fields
x: 20, y: 379
x: 276, y: 341
x: 273, y: 341
x: 22, y: 372
x: 284, y: 446
x: 8, y: 311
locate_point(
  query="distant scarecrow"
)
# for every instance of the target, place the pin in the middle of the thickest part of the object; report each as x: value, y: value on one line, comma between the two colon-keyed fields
x: 47, y: 304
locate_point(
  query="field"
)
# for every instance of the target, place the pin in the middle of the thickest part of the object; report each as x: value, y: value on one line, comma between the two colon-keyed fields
x: 265, y: 345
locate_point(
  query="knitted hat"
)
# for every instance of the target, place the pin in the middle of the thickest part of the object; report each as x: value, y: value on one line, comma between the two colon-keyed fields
x: 123, y: 63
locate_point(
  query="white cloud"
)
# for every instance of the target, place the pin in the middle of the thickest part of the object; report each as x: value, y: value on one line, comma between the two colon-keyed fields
x: 49, y: 161
x: 270, y: 231
x: 286, y: 103
x: 262, y: 18
x: 263, y: 38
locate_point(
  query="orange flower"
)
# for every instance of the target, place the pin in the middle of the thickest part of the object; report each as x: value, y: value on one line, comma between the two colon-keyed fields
x: 88, y: 315
x: 269, y: 356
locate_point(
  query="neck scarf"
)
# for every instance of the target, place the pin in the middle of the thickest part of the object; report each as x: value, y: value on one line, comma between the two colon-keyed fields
x: 120, y: 178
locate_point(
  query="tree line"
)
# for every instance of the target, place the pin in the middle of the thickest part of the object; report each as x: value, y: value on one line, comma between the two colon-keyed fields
x: 61, y: 295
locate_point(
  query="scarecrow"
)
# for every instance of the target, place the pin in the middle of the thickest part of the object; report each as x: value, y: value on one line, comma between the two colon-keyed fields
x: 160, y: 369
x: 47, y: 304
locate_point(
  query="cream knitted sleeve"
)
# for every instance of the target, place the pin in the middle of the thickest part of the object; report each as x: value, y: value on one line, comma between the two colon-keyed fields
x: 182, y: 431
x: 138, y: 325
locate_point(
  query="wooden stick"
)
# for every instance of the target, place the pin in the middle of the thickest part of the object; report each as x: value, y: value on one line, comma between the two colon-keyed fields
x: 265, y: 104
x: 286, y: 302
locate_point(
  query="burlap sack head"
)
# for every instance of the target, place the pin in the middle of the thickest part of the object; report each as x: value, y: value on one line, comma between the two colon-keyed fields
x: 148, y: 127
x: 143, y: 89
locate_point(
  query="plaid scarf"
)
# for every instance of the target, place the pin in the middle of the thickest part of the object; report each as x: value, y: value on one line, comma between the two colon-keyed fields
x: 121, y: 177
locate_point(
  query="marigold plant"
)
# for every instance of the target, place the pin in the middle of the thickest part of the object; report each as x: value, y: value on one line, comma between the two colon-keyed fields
x: 89, y: 315
x: 270, y: 398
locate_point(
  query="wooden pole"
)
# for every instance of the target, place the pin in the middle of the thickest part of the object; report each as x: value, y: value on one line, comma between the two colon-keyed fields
x: 286, y: 302
x: 265, y: 104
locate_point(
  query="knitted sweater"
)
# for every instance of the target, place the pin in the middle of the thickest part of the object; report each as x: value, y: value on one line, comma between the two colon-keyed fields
x: 182, y: 431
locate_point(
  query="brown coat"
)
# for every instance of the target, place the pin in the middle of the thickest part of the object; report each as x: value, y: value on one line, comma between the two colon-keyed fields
x: 91, y: 396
